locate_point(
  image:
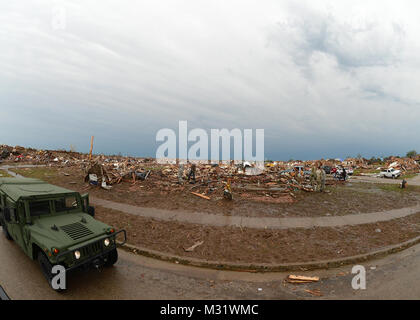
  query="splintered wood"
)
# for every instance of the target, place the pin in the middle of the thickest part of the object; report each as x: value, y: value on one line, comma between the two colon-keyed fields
x: 200, y: 195
x: 315, y: 292
x: 195, y: 245
x: 301, y: 279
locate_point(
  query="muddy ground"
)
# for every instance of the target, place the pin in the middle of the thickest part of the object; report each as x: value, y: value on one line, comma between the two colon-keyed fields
x: 247, y: 245
x: 342, y: 199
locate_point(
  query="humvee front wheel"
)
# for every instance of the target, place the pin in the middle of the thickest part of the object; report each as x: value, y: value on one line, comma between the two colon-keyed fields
x: 112, y: 258
x: 46, y: 268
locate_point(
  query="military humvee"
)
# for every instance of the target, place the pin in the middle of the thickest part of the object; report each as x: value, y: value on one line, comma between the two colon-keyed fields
x: 55, y: 226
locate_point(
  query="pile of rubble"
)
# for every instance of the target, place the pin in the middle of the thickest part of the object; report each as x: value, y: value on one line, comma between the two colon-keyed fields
x: 403, y: 164
x: 275, y: 181
x: 209, y: 179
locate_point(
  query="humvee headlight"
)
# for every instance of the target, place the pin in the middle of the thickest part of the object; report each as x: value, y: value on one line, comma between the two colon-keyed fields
x: 77, y: 254
x: 106, y: 242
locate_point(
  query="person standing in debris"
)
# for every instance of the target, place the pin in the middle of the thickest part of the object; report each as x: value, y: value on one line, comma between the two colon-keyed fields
x: 323, y: 177
x: 180, y: 173
x: 318, y: 175
x: 192, y: 173
x: 313, y: 177
x: 344, y: 174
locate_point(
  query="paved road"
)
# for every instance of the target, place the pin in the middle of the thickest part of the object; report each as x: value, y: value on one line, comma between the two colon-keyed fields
x: 136, y: 277
x: 411, y: 181
x: 133, y: 277
x: 218, y: 220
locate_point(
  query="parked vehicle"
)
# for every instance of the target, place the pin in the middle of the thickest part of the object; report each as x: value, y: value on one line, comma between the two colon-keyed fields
x: 287, y: 171
x: 327, y: 169
x: 349, y: 171
x: 55, y: 226
x: 338, y: 175
x: 390, y: 173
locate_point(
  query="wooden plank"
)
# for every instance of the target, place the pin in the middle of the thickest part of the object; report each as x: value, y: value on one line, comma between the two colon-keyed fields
x: 302, y: 278
x: 200, y: 195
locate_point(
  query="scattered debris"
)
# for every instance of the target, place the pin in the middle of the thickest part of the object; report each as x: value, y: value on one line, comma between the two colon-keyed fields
x: 200, y: 195
x: 105, y: 186
x: 301, y: 279
x: 273, y: 182
x: 195, y: 245
x: 227, y: 193
x: 93, y: 179
x: 314, y: 292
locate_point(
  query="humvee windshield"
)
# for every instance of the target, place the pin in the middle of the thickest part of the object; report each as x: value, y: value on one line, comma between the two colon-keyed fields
x: 37, y: 208
x: 64, y: 204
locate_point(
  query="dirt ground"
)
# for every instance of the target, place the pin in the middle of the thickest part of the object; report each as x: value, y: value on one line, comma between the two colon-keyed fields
x: 260, y: 246
x: 248, y: 201
x: 248, y: 245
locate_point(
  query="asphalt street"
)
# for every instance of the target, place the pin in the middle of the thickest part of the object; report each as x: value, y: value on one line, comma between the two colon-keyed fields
x: 136, y: 277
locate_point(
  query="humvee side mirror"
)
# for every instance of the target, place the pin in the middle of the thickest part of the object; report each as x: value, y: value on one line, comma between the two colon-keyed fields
x: 86, y: 207
x: 91, y: 211
x: 85, y: 202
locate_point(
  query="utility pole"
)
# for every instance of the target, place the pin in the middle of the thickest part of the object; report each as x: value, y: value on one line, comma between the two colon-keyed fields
x: 91, y: 148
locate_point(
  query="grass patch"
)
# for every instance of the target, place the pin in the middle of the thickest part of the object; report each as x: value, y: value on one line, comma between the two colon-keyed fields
x: 45, y: 174
x: 4, y: 174
x: 408, y: 176
x: 396, y: 187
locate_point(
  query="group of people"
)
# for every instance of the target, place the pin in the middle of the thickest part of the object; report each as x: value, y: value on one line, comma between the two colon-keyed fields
x: 340, y: 174
x: 318, y: 177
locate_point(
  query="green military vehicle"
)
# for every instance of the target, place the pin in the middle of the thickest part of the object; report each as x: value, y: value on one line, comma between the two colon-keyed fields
x: 55, y: 226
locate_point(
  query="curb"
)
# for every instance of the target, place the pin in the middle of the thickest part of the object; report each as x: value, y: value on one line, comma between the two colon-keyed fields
x: 266, y: 267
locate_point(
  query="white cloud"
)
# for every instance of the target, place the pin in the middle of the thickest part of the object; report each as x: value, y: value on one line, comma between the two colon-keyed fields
x: 322, y: 78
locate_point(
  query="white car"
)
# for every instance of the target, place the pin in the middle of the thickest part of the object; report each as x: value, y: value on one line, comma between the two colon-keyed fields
x: 349, y: 171
x: 390, y: 173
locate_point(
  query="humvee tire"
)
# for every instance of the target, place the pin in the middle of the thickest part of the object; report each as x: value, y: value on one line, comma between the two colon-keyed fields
x: 112, y: 258
x: 46, y: 268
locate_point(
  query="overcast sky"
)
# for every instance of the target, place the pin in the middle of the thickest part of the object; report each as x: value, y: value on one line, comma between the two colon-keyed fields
x: 322, y: 78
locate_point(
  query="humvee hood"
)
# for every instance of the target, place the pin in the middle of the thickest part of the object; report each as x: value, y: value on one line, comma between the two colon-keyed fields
x: 67, y: 229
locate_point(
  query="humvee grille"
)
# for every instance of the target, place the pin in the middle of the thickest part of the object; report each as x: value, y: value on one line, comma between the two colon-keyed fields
x: 91, y: 249
x: 76, y: 230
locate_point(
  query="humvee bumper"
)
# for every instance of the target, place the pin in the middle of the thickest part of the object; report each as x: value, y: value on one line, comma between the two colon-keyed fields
x: 96, y: 259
